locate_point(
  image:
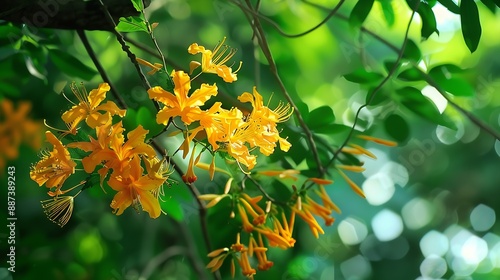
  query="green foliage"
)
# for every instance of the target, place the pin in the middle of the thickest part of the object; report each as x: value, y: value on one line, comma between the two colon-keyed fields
x: 70, y: 65
x: 428, y: 20
x: 450, y: 5
x: 471, y: 26
x: 414, y: 101
x: 132, y: 24
x: 360, y: 12
x: 397, y: 127
x: 362, y: 76
x: 452, y: 79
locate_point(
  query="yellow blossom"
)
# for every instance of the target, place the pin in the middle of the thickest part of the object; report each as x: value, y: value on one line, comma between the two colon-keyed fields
x: 135, y: 189
x: 55, y: 166
x: 179, y: 103
x: 89, y: 107
x: 213, y: 61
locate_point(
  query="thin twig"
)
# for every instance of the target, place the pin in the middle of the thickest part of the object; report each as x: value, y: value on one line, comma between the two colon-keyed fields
x: 202, y: 209
x: 379, y: 86
x: 468, y: 114
x: 126, y: 49
x: 157, y: 147
x: 256, y: 25
x: 474, y: 119
x: 261, y: 189
x: 100, y: 69
x: 254, y: 13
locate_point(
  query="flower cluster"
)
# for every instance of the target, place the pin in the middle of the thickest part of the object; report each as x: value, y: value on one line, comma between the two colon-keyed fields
x: 109, y: 155
x: 129, y: 165
x: 273, y: 224
x: 226, y: 130
x: 16, y: 128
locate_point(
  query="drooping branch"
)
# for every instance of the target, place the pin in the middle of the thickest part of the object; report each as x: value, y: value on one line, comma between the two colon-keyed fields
x: 259, y: 32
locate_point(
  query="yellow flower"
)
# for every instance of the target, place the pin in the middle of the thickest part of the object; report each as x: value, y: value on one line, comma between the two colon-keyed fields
x: 135, y: 189
x: 111, y: 148
x: 213, y: 61
x: 178, y: 103
x: 55, y: 166
x: 89, y: 107
x: 262, y: 120
x: 260, y: 252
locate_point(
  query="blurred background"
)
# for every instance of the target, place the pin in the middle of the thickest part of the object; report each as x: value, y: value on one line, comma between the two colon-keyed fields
x: 430, y: 208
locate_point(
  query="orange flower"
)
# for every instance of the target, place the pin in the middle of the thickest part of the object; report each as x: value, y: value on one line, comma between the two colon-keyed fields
x: 190, y: 177
x: 260, y: 252
x: 55, y: 166
x: 16, y: 127
x: 135, y: 190
x: 89, y: 107
x: 111, y: 148
x: 303, y: 211
x: 213, y: 61
x: 178, y: 103
x: 262, y: 121
x: 247, y: 226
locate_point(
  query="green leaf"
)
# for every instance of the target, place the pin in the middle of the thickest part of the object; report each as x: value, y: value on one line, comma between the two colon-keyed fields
x: 471, y: 26
x: 429, y: 24
x: 490, y: 5
x: 70, y: 65
x: 130, y: 119
x: 410, y: 75
x: 390, y: 64
x: 146, y: 118
x: 450, y: 5
x: 320, y: 116
x: 131, y: 24
x: 397, y: 128
x: 137, y: 5
x: 380, y: 96
x: 412, y: 52
x: 361, y: 76
x: 452, y: 79
x: 9, y: 89
x: 35, y: 59
x: 360, y: 12
x: 303, y: 109
x: 413, y: 99
x: 9, y: 34
x: 172, y: 208
x: 332, y: 129
x: 388, y: 11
